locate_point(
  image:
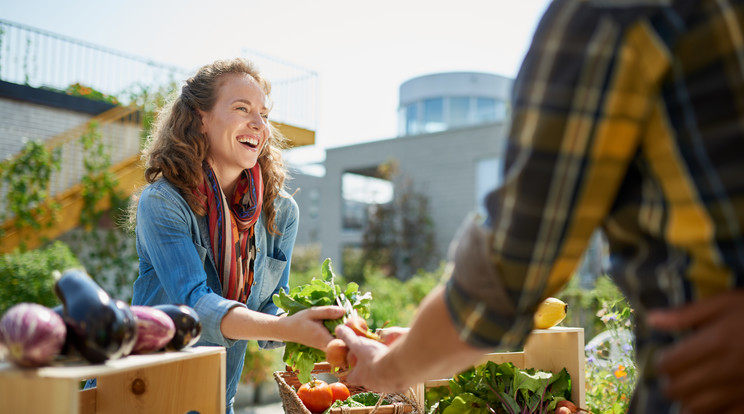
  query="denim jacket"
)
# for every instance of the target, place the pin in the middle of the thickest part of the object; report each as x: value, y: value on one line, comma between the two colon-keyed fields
x: 176, y: 265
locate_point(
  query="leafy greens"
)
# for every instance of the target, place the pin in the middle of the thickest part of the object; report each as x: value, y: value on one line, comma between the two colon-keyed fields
x: 503, y: 389
x: 319, y: 292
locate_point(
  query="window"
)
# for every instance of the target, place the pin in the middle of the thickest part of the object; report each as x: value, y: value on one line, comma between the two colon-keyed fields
x: 433, y: 119
x: 358, y: 192
x: 489, y: 174
x: 459, y: 109
x: 412, y: 126
x: 485, y: 110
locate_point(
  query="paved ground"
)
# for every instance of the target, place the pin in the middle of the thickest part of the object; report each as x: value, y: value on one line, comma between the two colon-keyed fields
x: 273, y: 408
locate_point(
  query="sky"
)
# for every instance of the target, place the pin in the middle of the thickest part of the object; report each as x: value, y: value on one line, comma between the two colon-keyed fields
x: 361, y: 51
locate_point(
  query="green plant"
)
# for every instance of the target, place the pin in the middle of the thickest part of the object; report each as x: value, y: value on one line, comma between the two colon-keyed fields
x: 76, y: 89
x: 610, y: 365
x: 259, y: 364
x: 394, y: 302
x: 399, y: 236
x: 25, y: 179
x: 97, y: 182
x: 28, y: 276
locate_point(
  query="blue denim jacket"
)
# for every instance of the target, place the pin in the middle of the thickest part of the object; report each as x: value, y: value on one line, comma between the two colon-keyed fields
x: 176, y: 265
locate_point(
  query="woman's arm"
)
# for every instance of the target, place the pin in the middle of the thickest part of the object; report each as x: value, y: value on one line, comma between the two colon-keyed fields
x: 305, y: 327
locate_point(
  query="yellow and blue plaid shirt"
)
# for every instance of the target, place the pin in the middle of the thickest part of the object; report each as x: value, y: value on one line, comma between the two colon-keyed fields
x: 627, y: 116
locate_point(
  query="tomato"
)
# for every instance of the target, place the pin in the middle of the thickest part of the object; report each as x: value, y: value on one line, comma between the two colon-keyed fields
x: 340, y: 391
x: 316, y: 395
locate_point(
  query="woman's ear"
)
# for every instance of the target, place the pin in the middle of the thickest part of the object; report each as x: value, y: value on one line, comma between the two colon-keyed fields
x: 202, y: 115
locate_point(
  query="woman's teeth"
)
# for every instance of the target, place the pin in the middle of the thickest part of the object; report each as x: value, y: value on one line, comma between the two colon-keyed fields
x: 251, y: 142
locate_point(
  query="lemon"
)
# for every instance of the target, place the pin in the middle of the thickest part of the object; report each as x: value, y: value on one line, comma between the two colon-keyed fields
x: 550, y: 313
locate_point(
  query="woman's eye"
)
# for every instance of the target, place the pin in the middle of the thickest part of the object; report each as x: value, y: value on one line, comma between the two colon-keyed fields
x: 242, y: 108
x: 265, y: 116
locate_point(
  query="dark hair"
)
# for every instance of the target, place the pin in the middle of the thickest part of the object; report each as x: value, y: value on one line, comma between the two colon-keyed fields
x: 177, y: 147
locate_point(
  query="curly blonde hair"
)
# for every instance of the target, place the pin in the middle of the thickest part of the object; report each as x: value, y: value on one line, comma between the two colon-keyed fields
x: 177, y: 147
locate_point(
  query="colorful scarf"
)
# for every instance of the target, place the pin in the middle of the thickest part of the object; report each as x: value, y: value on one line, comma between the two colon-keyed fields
x: 234, y: 243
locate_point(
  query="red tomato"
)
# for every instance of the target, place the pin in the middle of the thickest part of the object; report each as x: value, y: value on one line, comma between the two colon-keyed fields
x: 340, y: 391
x: 316, y: 395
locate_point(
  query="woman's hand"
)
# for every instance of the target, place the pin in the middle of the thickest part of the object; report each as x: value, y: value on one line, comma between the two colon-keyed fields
x: 306, y: 326
x: 705, y: 371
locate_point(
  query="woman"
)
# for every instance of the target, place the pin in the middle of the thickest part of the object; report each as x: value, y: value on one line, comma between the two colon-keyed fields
x: 215, y: 229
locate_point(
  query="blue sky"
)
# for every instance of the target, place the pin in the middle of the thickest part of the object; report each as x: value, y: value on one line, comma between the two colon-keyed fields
x: 361, y: 51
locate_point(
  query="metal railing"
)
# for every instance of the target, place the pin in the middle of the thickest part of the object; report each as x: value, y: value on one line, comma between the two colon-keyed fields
x: 38, y: 58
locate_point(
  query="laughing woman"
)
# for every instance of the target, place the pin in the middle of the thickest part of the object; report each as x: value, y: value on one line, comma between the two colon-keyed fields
x: 215, y: 229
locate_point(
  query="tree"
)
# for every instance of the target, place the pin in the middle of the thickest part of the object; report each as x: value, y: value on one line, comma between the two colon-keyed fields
x: 399, y: 236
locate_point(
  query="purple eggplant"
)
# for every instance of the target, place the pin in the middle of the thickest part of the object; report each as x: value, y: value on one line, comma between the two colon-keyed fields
x: 188, y: 325
x: 32, y: 334
x: 154, y: 329
x: 99, y: 328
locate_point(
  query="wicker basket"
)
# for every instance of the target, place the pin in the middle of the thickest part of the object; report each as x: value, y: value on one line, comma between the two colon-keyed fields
x: 288, y: 384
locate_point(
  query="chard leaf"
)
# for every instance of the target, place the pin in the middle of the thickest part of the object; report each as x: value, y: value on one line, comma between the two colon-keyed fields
x: 467, y: 404
x: 321, y: 291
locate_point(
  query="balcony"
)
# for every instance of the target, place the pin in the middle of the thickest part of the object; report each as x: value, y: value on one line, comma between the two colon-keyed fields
x: 37, y: 67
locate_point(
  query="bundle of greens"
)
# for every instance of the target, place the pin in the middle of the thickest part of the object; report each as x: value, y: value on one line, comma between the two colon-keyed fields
x: 363, y: 399
x: 319, y: 292
x: 503, y: 389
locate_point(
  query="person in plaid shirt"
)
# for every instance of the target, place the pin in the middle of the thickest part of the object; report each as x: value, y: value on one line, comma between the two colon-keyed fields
x: 628, y: 116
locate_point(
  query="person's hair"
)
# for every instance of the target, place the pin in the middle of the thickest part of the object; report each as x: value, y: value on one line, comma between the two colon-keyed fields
x: 176, y: 148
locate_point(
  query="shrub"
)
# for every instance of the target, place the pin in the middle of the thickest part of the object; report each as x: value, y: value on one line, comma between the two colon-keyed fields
x: 394, y: 302
x: 28, y: 276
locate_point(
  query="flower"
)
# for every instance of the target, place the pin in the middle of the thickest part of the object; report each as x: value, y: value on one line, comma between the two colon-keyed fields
x: 620, y: 372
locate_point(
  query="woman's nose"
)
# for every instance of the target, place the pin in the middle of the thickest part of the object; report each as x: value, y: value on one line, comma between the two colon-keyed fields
x: 257, y: 122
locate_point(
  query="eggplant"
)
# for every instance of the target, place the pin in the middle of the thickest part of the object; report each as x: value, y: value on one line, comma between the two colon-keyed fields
x: 32, y: 334
x: 99, y: 328
x: 154, y: 329
x: 188, y: 325
x: 66, y: 346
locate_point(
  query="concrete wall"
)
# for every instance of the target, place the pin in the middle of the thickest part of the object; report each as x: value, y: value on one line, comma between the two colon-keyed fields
x: 307, y: 191
x: 441, y: 166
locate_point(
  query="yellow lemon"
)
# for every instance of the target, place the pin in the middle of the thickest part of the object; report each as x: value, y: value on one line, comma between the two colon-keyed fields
x: 550, y: 313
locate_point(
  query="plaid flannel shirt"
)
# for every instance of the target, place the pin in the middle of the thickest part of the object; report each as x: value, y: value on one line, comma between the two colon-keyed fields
x: 627, y: 116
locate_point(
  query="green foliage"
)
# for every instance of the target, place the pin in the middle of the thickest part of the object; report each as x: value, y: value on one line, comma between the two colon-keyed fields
x: 109, y: 255
x: 399, y: 236
x: 504, y: 388
x: 321, y: 291
x: 259, y: 364
x: 97, y: 182
x: 583, y: 303
x: 610, y: 366
x: 76, y: 89
x: 27, y: 276
x: 394, y: 301
x: 150, y: 100
x: 25, y: 180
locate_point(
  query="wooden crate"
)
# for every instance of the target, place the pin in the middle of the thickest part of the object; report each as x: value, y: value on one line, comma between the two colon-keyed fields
x: 165, y: 382
x: 546, y: 349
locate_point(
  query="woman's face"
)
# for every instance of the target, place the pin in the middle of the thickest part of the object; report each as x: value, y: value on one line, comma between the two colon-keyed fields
x: 237, y: 126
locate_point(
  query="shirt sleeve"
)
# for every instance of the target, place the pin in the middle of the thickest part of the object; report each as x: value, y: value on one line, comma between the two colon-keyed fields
x: 165, y: 237
x: 287, y: 222
x: 579, y: 102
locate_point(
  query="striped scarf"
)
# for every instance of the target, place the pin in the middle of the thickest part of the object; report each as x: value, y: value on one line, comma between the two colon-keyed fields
x: 233, y: 240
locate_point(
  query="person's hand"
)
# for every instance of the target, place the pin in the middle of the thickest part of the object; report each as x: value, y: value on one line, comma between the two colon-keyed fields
x: 390, y: 335
x: 367, y: 353
x: 306, y: 326
x: 705, y: 371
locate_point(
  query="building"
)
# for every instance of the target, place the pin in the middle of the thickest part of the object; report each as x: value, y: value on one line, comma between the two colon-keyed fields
x: 451, y: 132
